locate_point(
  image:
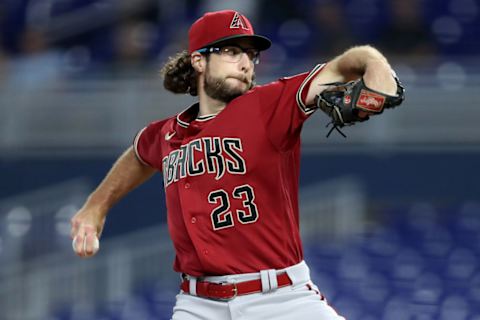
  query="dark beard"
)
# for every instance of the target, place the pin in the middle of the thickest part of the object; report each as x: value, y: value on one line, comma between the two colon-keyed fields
x: 218, y: 89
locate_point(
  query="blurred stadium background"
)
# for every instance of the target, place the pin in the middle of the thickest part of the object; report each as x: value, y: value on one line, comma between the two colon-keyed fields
x: 391, y: 215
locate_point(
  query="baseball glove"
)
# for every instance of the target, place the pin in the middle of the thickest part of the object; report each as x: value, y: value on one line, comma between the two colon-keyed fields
x: 343, y: 102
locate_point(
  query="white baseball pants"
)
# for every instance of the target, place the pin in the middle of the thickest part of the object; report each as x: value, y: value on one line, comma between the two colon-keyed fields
x: 301, y: 300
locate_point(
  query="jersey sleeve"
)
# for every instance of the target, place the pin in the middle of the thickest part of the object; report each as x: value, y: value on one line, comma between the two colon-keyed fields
x: 147, y: 144
x: 284, y: 108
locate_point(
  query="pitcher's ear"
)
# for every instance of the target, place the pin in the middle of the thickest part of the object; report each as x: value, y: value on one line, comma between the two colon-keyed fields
x: 197, y: 61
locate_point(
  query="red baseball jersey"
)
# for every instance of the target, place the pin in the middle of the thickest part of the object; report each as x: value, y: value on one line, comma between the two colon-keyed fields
x: 231, y: 179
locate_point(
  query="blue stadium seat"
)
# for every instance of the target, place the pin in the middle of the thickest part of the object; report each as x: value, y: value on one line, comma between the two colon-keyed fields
x: 407, y: 264
x: 455, y: 307
x: 397, y: 308
x: 474, y: 290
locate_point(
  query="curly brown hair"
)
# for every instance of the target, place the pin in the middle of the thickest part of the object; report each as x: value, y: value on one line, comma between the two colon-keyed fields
x: 179, y: 75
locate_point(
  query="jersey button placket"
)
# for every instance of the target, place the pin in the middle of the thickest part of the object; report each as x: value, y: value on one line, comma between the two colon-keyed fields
x: 193, y: 220
x: 187, y: 185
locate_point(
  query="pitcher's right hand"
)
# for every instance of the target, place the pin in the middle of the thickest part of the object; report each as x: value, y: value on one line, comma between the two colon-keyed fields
x: 87, y: 226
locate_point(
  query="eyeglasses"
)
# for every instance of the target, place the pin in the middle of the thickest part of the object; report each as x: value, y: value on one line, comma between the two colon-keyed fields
x: 233, y: 53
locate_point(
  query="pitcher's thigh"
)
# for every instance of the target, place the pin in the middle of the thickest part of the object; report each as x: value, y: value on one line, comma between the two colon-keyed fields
x: 190, y: 307
x: 299, y: 302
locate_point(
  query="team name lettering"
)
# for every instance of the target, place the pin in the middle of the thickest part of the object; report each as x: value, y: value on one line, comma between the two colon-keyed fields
x: 209, y: 155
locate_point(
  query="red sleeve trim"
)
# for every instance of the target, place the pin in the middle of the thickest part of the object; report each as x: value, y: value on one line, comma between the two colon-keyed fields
x: 135, y: 147
x: 301, y: 93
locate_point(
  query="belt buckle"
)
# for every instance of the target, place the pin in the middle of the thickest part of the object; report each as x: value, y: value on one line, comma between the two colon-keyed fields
x: 234, y: 290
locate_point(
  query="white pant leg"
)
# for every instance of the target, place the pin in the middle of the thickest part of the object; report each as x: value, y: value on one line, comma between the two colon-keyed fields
x: 289, y: 303
x: 189, y: 307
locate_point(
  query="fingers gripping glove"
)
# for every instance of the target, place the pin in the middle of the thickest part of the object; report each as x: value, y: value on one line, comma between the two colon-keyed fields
x: 342, y: 102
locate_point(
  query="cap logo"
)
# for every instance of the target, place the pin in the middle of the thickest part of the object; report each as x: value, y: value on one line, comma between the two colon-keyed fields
x: 238, y: 22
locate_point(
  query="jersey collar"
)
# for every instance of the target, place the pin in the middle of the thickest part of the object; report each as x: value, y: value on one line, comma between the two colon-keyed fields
x: 190, y: 114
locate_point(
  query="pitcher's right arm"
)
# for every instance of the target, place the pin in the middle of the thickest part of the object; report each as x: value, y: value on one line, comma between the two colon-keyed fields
x: 87, y: 224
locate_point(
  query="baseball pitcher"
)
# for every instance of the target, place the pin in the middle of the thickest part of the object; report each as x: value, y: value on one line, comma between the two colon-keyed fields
x: 230, y: 166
